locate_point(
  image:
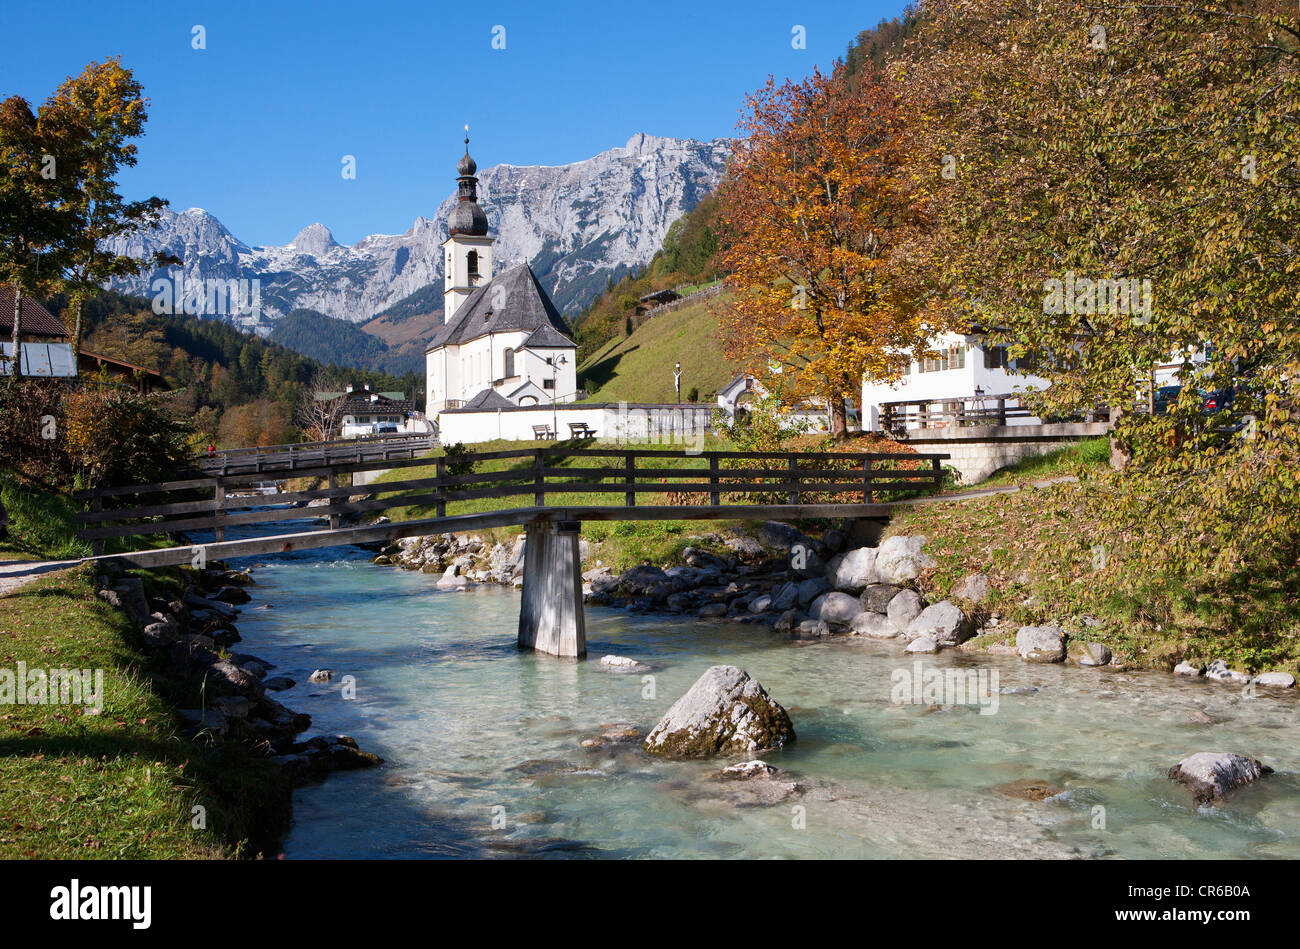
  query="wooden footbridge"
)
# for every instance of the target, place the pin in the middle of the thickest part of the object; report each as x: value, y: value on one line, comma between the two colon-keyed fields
x: 548, y: 491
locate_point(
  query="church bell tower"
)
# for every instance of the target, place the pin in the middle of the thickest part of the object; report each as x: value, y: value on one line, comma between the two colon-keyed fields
x: 467, y: 251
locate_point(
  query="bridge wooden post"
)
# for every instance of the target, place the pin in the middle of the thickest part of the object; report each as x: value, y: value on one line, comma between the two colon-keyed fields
x: 550, y: 611
x: 219, y: 495
x: 334, y: 518
x: 441, y: 470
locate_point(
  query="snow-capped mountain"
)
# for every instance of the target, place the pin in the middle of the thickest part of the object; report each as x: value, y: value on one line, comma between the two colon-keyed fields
x: 578, y: 225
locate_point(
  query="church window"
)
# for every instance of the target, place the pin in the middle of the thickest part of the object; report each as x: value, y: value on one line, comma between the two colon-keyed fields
x: 548, y: 383
x: 471, y: 263
x: 509, y: 363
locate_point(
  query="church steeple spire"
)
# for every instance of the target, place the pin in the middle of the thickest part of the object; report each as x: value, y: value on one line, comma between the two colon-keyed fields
x: 467, y: 217
x: 467, y: 249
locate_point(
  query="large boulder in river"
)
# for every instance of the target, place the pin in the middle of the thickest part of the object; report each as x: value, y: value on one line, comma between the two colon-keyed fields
x: 1212, y: 774
x: 837, y: 609
x: 724, y: 713
x: 900, y: 558
x: 851, y: 572
x: 943, y: 622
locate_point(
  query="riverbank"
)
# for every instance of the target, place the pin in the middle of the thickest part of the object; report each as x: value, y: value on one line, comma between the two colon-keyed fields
x: 113, y: 775
x: 165, y: 743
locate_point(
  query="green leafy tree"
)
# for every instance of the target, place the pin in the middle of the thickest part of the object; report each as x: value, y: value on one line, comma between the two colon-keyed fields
x: 1118, y: 189
x: 90, y: 122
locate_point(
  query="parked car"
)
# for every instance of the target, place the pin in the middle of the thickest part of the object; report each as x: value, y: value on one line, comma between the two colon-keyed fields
x: 1164, y: 397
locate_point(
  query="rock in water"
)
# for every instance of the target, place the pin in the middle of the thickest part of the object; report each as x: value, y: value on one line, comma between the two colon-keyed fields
x: 944, y: 622
x: 1040, y: 644
x: 1212, y: 774
x: 1282, y: 680
x: 724, y: 713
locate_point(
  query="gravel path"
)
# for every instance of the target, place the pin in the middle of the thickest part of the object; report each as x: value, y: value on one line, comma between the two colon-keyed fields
x: 14, y: 573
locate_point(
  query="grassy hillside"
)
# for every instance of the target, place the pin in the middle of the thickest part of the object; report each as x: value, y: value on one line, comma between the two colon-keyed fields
x: 1036, y: 549
x: 639, y: 368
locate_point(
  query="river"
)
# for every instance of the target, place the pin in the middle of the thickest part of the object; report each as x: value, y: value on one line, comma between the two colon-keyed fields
x: 483, y: 754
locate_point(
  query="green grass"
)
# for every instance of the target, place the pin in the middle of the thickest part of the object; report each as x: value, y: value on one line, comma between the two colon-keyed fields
x: 1036, y: 549
x: 1092, y: 454
x: 639, y: 368
x: 120, y: 784
x: 40, y: 523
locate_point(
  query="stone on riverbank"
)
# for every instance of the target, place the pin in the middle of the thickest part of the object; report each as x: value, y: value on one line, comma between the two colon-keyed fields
x: 904, y: 608
x: 943, y: 622
x: 1218, y: 671
x: 924, y: 644
x: 724, y: 713
x: 877, y: 597
x: 874, y: 626
x: 1189, y: 669
x: 900, y: 558
x: 1280, y: 680
x: 1040, y: 644
x: 1088, y: 654
x: 851, y: 572
x: 837, y: 609
x: 1212, y: 774
x: 974, y: 588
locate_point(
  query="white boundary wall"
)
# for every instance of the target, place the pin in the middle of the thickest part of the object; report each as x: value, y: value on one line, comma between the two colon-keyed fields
x: 616, y: 421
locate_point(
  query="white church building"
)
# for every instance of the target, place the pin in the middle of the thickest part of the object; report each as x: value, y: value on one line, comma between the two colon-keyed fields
x: 503, y: 344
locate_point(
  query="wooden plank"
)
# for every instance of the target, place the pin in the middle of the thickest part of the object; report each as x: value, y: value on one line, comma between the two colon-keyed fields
x: 219, y: 498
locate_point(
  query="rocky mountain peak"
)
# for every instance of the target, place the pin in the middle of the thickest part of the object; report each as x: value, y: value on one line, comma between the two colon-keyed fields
x: 314, y: 239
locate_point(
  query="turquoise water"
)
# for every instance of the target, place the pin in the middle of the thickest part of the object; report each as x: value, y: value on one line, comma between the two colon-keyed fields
x: 483, y: 753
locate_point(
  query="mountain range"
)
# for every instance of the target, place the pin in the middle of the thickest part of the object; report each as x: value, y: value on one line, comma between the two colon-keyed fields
x: 578, y: 225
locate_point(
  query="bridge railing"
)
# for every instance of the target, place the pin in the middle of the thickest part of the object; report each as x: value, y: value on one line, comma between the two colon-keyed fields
x: 291, y: 457
x: 706, y: 482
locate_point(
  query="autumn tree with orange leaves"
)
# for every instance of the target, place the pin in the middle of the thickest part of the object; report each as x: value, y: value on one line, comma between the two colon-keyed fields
x: 817, y: 216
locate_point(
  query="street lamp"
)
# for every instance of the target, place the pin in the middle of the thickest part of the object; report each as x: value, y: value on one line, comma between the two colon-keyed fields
x: 677, y: 382
x: 555, y: 362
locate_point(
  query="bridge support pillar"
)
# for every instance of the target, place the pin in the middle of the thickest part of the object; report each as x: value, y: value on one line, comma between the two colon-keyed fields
x: 550, y: 614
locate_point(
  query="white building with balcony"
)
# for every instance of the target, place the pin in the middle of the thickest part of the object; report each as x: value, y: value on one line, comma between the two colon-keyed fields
x: 965, y: 374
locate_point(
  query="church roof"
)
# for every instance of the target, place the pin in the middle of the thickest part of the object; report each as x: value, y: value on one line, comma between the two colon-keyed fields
x: 524, y: 306
x: 487, y: 399
x: 547, y: 337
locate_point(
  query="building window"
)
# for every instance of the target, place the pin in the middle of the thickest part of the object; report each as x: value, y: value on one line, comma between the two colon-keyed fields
x: 954, y: 357
x: 548, y: 383
x: 471, y: 263
x: 995, y: 357
x: 509, y: 363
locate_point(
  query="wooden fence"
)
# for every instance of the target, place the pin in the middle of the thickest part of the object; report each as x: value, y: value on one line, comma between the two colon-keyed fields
x: 293, y: 457
x: 713, y: 482
x: 898, y: 418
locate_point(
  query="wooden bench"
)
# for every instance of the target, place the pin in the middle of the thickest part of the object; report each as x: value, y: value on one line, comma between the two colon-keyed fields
x: 543, y: 433
x: 581, y: 430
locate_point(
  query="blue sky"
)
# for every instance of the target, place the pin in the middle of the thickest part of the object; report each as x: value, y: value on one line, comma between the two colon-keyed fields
x: 255, y: 126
